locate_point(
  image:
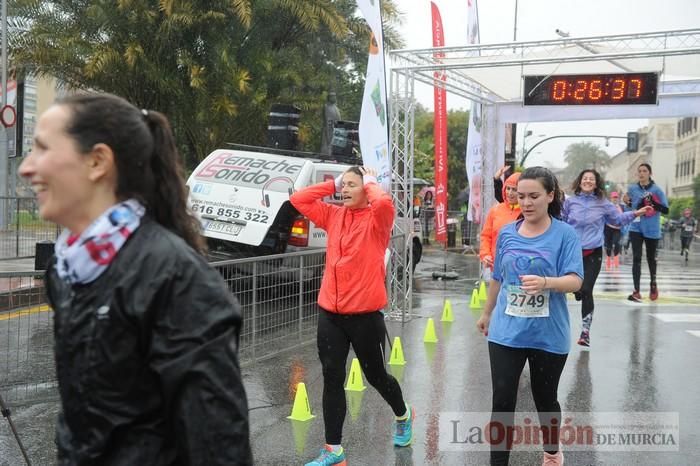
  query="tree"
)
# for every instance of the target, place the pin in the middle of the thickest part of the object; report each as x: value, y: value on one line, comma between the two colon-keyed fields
x: 676, y: 206
x: 424, y: 150
x: 583, y: 155
x: 213, y: 66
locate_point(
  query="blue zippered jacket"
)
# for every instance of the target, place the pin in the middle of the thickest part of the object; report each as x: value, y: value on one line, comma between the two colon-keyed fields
x: 588, y: 214
x: 648, y: 226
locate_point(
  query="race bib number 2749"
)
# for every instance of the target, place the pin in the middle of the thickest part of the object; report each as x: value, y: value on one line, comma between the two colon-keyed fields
x: 521, y: 304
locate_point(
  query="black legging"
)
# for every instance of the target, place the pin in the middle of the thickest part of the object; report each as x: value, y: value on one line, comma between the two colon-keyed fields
x: 545, y: 370
x: 685, y: 242
x: 366, y: 332
x: 591, y: 269
x: 612, y: 241
x: 636, y: 239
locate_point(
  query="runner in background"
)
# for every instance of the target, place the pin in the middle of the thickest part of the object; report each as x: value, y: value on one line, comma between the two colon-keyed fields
x: 538, y: 261
x: 612, y: 235
x: 498, y: 182
x: 689, y: 227
x: 499, y: 215
x: 646, y: 229
x: 588, y: 211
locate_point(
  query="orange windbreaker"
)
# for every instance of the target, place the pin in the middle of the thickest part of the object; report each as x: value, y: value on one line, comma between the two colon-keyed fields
x: 498, y: 216
x: 354, y: 277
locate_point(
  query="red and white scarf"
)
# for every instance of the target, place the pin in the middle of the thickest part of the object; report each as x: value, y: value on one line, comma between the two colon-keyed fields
x: 82, y: 258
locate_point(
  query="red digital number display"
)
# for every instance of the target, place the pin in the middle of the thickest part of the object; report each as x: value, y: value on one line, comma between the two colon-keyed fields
x: 591, y: 89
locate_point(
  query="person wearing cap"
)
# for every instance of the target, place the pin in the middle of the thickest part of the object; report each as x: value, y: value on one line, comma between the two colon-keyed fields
x: 612, y: 236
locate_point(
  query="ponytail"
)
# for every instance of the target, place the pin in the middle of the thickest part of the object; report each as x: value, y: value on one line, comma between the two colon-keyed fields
x: 147, y: 160
x: 167, y: 200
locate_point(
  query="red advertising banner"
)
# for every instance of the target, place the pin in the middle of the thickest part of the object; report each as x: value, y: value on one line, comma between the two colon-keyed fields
x: 440, y: 132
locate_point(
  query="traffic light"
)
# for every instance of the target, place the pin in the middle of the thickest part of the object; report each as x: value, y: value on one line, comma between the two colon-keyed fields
x: 632, y: 141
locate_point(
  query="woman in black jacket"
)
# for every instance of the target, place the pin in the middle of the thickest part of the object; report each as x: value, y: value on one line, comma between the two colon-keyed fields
x: 146, y: 333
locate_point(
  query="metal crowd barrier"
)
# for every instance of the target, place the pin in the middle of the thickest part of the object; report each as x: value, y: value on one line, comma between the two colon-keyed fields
x: 27, y: 372
x: 21, y: 227
x: 277, y: 294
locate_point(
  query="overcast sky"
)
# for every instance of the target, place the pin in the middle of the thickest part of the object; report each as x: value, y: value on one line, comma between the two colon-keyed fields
x: 538, y: 19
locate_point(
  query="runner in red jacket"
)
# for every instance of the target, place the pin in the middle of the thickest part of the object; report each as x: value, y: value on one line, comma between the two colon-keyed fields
x: 358, y: 235
x: 352, y: 295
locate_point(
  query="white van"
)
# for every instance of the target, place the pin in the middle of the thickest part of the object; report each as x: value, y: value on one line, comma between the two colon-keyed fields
x: 242, y: 200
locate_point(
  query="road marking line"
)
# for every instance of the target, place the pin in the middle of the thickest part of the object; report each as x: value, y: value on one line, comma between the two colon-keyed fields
x: 695, y: 333
x: 663, y: 299
x: 694, y: 318
x: 25, y: 312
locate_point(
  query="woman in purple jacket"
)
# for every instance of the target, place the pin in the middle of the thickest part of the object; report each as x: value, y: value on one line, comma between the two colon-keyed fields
x: 588, y: 210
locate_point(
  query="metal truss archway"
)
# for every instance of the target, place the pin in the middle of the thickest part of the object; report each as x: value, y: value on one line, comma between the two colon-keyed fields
x: 491, y: 74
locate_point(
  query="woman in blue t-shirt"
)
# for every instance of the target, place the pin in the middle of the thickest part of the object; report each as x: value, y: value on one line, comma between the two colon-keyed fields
x: 646, y: 229
x: 538, y: 260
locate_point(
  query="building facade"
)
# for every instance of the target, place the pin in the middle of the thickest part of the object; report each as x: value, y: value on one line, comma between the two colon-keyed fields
x: 39, y: 94
x: 657, y: 147
x: 687, y: 165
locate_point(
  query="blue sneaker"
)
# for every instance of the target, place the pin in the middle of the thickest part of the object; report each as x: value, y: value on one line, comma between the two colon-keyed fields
x: 328, y: 458
x: 403, y: 430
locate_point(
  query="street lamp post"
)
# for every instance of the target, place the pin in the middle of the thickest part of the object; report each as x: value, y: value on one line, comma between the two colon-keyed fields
x: 526, y: 135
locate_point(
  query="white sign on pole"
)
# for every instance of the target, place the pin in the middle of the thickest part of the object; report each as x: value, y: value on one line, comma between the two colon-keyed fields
x: 374, y: 116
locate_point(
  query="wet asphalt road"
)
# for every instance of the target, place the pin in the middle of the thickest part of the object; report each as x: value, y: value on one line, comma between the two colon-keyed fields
x: 639, y: 361
x: 643, y: 358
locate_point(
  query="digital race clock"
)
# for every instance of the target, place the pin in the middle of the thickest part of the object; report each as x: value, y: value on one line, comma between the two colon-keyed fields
x: 591, y: 89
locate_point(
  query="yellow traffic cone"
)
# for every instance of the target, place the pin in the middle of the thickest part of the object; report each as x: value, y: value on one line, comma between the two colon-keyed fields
x: 396, y: 358
x: 301, y: 411
x: 482, y: 292
x: 475, y: 303
x: 429, y: 336
x: 447, y: 312
x: 355, y: 382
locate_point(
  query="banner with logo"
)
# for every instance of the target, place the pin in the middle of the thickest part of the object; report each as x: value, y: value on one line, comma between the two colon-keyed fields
x: 374, y: 116
x: 473, y: 156
x: 440, y: 130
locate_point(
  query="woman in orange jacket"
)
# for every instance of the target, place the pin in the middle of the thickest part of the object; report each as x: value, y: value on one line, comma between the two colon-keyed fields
x: 351, y: 298
x: 499, y: 215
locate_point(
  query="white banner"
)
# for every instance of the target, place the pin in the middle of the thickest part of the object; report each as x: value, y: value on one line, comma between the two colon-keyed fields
x: 473, y: 156
x: 374, y: 116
